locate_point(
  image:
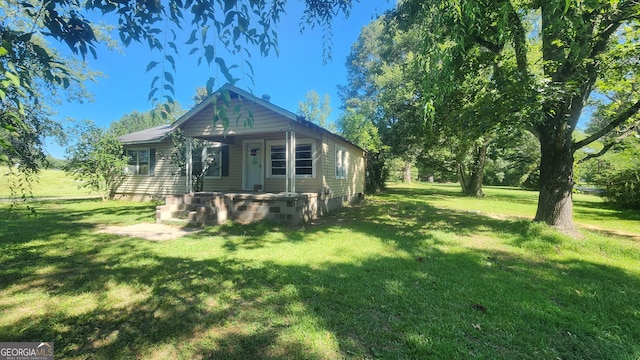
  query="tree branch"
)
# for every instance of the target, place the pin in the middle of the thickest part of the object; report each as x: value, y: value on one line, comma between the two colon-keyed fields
x: 488, y: 44
x: 634, y: 109
x: 519, y: 39
x: 607, y: 146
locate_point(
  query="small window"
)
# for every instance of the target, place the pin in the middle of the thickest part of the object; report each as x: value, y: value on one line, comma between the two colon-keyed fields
x: 341, y: 163
x: 139, y: 162
x: 304, y: 160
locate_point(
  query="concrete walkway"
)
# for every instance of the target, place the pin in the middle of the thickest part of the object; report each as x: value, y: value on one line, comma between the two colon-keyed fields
x: 149, y: 231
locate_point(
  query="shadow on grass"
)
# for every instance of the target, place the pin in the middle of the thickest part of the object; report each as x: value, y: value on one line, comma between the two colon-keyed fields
x: 422, y: 302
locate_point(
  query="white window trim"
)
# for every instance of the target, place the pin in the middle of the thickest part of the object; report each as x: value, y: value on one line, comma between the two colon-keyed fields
x: 219, y: 151
x: 137, y: 172
x: 298, y: 143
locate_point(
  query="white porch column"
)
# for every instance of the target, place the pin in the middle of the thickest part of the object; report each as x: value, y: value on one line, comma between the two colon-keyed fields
x: 189, y: 167
x: 290, y: 156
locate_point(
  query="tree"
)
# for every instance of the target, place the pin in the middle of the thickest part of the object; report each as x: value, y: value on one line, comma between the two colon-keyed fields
x: 380, y: 94
x: 385, y: 68
x: 514, y: 160
x: 136, y: 121
x: 205, y: 158
x: 579, y: 43
x: 356, y: 127
x: 313, y: 110
x: 97, y: 159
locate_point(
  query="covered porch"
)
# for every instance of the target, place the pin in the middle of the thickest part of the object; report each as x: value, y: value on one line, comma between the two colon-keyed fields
x: 266, y: 162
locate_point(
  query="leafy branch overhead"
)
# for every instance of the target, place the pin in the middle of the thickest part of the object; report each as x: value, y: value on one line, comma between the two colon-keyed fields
x: 217, y: 27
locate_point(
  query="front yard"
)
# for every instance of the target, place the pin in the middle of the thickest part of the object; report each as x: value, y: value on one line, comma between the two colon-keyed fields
x: 416, y: 272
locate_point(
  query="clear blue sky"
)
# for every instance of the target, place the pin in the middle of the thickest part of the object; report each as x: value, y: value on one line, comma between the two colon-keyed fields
x: 287, y: 78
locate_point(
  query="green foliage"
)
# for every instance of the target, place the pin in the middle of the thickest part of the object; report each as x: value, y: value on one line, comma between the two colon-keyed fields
x: 623, y: 188
x: 617, y: 172
x: 201, y: 161
x: 532, y: 65
x: 97, y: 159
x: 356, y: 127
x: 514, y: 161
x: 55, y: 163
x: 33, y: 77
x: 136, y: 121
x: 312, y: 109
x: 379, y: 100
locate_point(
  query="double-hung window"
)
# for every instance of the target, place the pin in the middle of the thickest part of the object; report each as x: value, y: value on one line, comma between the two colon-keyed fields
x: 212, y: 161
x: 304, y: 162
x: 341, y: 163
x: 140, y: 162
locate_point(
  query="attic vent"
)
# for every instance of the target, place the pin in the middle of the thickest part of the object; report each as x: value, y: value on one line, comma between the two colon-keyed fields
x: 266, y: 97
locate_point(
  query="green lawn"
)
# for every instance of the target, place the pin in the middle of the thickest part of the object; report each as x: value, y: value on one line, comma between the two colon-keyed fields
x: 417, y: 272
x: 48, y: 183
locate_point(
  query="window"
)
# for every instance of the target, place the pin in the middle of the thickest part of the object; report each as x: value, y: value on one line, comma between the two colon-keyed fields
x: 141, y: 162
x: 341, y: 163
x: 304, y: 160
x: 278, y: 160
x: 212, y: 157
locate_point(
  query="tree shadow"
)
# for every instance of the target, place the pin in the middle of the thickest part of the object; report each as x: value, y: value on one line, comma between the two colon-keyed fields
x: 123, y: 299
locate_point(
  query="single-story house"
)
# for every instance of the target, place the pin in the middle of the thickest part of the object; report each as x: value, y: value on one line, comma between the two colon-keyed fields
x: 267, y: 163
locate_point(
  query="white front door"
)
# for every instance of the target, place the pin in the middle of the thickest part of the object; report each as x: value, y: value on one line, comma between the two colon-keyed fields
x: 253, y: 175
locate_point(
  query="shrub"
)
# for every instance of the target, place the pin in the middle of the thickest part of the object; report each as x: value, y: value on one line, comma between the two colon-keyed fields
x: 623, y: 188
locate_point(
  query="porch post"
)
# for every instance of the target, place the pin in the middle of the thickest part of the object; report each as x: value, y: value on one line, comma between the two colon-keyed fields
x: 290, y: 159
x: 189, y: 167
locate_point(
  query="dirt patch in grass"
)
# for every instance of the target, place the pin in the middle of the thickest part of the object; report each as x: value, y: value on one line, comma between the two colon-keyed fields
x: 149, y: 231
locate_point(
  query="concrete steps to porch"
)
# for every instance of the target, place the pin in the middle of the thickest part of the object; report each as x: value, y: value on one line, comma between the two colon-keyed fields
x: 196, y: 210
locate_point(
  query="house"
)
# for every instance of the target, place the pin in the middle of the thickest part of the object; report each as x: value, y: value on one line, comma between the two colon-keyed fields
x: 267, y: 163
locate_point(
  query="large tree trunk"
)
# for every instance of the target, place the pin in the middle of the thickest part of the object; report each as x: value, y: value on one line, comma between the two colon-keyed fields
x: 471, y: 183
x: 555, y: 204
x: 474, y: 180
x: 406, y: 173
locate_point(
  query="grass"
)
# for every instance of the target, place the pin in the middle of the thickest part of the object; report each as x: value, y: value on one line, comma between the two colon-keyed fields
x: 415, y: 272
x: 49, y: 183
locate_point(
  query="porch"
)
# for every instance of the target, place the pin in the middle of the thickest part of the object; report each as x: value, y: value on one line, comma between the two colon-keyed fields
x: 213, y: 208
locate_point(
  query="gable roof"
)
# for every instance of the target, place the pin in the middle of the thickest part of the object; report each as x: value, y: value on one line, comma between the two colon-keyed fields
x: 159, y: 133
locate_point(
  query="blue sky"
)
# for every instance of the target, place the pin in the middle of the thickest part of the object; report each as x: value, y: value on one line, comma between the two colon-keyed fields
x: 287, y: 78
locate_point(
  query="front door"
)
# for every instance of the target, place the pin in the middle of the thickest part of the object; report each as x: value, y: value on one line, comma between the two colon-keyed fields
x: 253, y: 176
